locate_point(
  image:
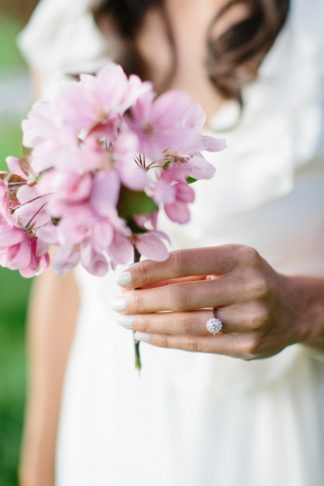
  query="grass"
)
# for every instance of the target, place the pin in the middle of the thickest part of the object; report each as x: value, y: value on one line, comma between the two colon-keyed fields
x: 10, y: 140
x: 10, y: 58
x: 13, y: 296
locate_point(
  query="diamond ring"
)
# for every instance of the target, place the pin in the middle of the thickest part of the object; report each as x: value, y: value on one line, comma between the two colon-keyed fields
x: 214, y: 325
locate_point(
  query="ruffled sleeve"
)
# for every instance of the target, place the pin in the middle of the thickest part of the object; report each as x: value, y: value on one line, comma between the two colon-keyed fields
x: 62, y: 38
x: 282, y: 128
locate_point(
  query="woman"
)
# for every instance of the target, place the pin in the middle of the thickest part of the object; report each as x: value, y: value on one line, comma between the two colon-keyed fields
x: 245, y: 406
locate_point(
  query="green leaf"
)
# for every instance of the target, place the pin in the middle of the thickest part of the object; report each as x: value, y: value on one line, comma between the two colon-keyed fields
x: 191, y: 180
x: 133, y: 203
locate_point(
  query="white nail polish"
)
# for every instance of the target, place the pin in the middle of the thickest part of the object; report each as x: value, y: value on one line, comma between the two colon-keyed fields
x: 118, y: 304
x: 123, y: 279
x: 126, y: 321
x: 142, y: 336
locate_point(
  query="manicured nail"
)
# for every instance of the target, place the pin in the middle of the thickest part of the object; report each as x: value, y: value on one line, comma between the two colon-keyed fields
x: 118, y: 304
x: 142, y: 336
x: 124, y: 279
x: 126, y: 321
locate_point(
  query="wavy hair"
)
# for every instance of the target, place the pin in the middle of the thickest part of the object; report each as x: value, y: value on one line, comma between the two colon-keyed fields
x: 232, y: 57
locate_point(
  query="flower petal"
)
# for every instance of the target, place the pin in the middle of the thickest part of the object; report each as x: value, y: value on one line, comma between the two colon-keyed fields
x: 121, y: 249
x: 94, y: 262
x: 105, y: 191
x: 178, y: 212
x: 200, y: 168
x: 65, y: 259
x: 151, y: 246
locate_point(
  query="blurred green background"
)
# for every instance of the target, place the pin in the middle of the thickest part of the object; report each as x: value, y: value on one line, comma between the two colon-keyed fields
x: 14, y: 100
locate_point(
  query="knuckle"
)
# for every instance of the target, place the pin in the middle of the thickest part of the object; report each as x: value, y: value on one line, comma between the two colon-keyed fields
x: 144, y: 272
x: 252, y: 346
x: 163, y: 341
x: 259, y: 315
x: 260, y: 285
x: 137, y: 301
x: 248, y: 255
x: 180, y: 261
x: 186, y: 323
x: 144, y: 325
x: 262, y: 313
x: 256, y: 282
x: 180, y: 297
x: 192, y: 345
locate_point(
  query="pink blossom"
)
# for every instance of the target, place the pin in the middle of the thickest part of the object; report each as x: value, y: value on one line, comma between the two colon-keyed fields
x: 5, y: 215
x: 95, y: 136
x: 85, y: 205
x: 65, y: 259
x: 32, y: 208
x: 65, y: 131
x: 121, y: 249
x: 93, y: 261
x: 149, y: 244
x: 69, y: 131
x: 19, y: 252
x: 18, y: 249
x: 15, y: 167
x: 107, y: 95
x: 52, y: 143
x: 195, y: 118
x: 152, y: 246
x: 68, y: 257
x: 170, y: 122
x: 174, y: 193
x: 157, y: 122
x: 125, y: 150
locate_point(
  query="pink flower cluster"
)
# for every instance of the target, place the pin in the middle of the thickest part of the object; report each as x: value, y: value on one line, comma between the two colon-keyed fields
x: 106, y: 155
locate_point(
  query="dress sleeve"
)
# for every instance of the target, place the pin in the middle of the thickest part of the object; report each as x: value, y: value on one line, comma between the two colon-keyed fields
x: 62, y: 38
x: 310, y: 20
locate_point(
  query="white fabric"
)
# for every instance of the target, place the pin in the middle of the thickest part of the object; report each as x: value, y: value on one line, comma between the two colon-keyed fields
x: 196, y: 419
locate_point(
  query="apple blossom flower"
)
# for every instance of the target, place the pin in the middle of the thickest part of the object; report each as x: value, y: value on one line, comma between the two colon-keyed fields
x: 106, y: 156
x: 172, y: 190
x: 18, y: 249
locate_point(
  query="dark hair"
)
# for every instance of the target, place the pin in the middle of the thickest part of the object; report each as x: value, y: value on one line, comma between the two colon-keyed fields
x: 233, y: 58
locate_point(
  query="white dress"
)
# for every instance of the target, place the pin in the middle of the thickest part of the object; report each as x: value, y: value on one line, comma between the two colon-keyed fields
x: 194, y: 419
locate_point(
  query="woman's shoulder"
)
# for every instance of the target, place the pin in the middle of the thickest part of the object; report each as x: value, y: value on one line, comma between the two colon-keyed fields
x: 62, y: 36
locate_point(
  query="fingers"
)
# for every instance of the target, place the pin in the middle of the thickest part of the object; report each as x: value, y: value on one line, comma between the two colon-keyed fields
x: 162, y: 283
x: 236, y: 345
x: 192, y: 323
x: 185, y: 263
x: 180, y: 297
x: 237, y: 318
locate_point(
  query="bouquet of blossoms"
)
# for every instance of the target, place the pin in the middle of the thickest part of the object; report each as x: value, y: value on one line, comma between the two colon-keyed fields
x: 101, y: 159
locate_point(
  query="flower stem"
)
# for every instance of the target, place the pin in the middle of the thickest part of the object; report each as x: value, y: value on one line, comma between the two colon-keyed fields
x: 138, y: 362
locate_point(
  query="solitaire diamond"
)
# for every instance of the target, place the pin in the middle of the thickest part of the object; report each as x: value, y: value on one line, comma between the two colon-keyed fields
x: 214, y: 325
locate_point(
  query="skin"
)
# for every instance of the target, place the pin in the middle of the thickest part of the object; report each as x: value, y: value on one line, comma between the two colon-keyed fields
x: 262, y: 311
x: 52, y: 315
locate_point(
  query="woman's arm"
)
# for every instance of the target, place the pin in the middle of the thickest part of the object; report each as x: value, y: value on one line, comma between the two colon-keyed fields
x: 262, y: 311
x: 52, y: 316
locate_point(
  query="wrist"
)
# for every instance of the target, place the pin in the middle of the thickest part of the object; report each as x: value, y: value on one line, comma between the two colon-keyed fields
x: 309, y: 302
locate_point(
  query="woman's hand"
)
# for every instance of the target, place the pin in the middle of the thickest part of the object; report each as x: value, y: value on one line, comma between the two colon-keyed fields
x: 260, y: 309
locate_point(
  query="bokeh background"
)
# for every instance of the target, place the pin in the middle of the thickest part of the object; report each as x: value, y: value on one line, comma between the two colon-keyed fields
x: 15, y: 99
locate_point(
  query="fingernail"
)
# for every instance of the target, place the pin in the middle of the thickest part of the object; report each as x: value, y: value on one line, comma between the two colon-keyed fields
x: 118, y: 304
x: 142, y: 336
x: 124, y: 278
x: 126, y: 321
